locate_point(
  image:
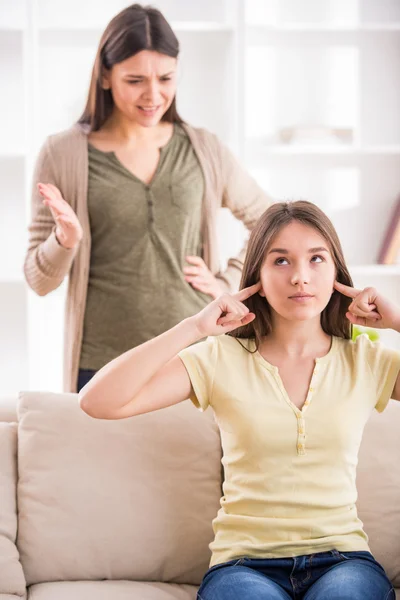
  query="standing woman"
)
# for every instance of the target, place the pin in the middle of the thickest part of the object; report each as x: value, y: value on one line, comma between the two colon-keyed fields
x: 125, y: 203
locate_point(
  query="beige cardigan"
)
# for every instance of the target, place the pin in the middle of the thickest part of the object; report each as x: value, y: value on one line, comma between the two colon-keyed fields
x: 63, y: 161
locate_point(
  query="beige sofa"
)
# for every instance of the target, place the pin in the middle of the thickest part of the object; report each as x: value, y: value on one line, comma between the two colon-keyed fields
x: 122, y: 510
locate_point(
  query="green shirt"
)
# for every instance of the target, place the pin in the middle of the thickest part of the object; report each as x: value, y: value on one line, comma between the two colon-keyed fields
x: 141, y: 235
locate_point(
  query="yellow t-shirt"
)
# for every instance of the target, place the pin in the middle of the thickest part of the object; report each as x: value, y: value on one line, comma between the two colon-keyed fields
x: 290, y: 474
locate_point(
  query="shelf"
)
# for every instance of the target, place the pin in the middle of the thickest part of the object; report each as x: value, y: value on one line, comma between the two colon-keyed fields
x: 12, y: 279
x: 296, y: 150
x: 63, y: 33
x: 322, y: 28
x: 381, y: 270
x: 13, y: 155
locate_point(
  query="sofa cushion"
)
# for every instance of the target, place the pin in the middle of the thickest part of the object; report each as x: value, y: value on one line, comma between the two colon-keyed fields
x: 378, y: 482
x: 12, y: 580
x: 120, y: 500
x: 117, y: 590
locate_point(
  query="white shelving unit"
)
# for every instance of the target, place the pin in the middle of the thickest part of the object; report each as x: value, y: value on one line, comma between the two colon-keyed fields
x: 248, y: 68
x: 332, y: 63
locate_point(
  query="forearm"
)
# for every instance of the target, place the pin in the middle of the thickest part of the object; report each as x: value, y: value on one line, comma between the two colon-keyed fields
x: 118, y: 382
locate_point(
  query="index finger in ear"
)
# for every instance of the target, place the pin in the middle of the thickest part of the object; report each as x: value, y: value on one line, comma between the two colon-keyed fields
x: 346, y: 290
x: 247, y: 292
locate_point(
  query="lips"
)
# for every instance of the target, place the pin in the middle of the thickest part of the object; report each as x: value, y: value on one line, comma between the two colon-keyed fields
x: 148, y: 108
x: 302, y: 296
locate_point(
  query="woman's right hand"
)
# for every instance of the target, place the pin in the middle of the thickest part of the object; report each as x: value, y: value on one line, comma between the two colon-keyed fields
x: 226, y: 313
x: 68, y: 229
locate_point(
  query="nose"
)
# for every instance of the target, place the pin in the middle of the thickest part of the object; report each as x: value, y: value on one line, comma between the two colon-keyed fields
x: 301, y: 275
x: 152, y: 91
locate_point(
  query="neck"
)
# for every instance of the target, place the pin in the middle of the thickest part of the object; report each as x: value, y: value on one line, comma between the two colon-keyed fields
x: 128, y: 131
x: 298, y: 339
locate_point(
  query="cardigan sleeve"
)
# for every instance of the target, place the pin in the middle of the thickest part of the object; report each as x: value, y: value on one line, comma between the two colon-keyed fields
x: 46, y: 261
x: 247, y: 201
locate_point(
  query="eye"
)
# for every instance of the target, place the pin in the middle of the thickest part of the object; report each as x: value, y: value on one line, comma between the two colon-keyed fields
x: 278, y: 261
x: 165, y: 78
x: 134, y: 81
x: 317, y: 256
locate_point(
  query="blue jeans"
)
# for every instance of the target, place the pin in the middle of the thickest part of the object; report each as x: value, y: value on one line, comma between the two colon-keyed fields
x: 329, y: 575
x: 84, y: 376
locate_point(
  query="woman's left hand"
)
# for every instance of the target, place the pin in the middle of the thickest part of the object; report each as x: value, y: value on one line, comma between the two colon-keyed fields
x: 200, y: 277
x: 369, y: 308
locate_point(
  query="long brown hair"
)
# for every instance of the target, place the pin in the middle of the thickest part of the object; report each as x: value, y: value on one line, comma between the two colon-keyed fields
x: 134, y: 29
x: 277, y: 216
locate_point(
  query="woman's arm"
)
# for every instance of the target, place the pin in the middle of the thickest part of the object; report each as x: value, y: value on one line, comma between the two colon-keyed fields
x: 152, y: 376
x: 46, y: 262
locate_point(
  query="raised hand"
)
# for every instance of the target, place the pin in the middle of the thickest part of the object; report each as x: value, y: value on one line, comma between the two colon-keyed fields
x: 200, y: 277
x: 226, y: 313
x: 68, y: 229
x: 369, y: 308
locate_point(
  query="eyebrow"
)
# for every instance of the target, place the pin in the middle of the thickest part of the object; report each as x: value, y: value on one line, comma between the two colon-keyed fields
x: 284, y: 251
x: 143, y: 76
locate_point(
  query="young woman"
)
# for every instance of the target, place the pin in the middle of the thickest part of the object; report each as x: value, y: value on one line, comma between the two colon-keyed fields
x: 126, y: 203
x: 291, y: 393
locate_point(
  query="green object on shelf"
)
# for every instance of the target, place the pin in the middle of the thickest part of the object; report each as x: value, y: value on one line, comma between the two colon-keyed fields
x: 372, y: 333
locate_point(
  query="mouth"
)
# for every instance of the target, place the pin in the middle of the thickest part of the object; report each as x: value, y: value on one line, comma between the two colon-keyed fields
x: 301, y: 297
x: 148, y: 110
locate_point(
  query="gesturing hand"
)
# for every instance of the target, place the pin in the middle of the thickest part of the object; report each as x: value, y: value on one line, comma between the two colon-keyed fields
x: 369, y: 308
x: 68, y: 229
x: 226, y: 313
x: 200, y: 277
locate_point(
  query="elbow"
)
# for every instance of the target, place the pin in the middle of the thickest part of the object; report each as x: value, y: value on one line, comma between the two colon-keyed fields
x: 88, y: 405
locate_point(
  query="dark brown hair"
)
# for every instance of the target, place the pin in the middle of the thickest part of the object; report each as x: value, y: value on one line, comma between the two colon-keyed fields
x: 134, y: 29
x: 275, y: 218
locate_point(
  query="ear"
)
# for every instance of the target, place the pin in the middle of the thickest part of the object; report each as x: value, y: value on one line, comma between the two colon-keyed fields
x: 261, y: 293
x: 105, y: 79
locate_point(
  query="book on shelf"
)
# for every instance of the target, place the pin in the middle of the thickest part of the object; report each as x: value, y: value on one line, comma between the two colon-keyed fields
x: 390, y: 248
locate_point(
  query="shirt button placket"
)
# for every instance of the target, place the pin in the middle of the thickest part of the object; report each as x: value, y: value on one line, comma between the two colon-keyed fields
x: 150, y: 202
x: 301, y: 434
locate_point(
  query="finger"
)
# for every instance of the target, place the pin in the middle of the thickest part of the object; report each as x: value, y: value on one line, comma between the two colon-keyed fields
x: 361, y: 321
x: 346, y: 290
x: 229, y: 318
x: 247, y: 292
x: 191, y: 270
x: 52, y: 206
x: 65, y: 223
x: 196, y: 260
x: 197, y: 281
x: 239, y: 323
x: 361, y: 307
x: 366, y: 314
x: 55, y: 190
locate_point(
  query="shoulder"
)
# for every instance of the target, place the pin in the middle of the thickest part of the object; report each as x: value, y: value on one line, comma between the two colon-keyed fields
x: 363, y: 349
x: 221, y: 346
x: 204, y: 137
x: 70, y: 138
x: 360, y: 346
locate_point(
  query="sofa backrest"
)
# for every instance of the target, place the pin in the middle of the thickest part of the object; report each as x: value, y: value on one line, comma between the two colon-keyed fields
x: 378, y: 483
